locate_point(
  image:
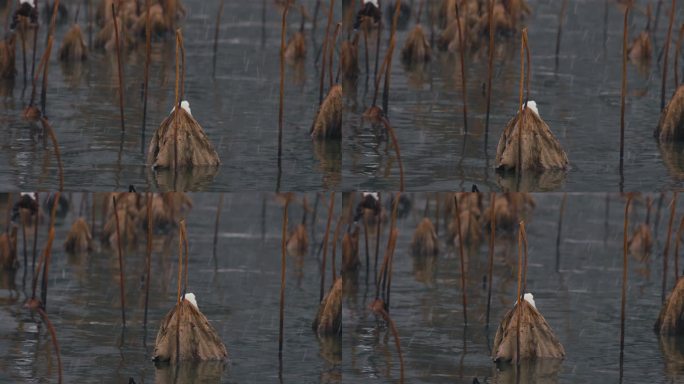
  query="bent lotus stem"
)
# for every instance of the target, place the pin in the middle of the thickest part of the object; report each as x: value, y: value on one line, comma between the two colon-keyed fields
x: 55, y: 343
x: 397, y: 150
x: 60, y: 168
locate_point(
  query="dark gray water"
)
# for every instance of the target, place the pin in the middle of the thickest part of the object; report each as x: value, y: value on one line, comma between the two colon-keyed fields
x: 238, y: 292
x: 238, y: 105
x: 578, y: 292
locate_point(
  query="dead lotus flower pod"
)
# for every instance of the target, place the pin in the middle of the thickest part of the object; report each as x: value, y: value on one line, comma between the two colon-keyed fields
x: 671, y: 125
x: 8, y: 57
x: 194, y: 147
x: 350, y: 251
x: 417, y: 48
x: 641, y: 49
x: 671, y: 318
x: 328, y: 321
x: 425, y: 241
x: 641, y: 243
x: 79, y: 238
x: 328, y: 122
x: 540, y: 149
x: 73, y: 47
x: 158, y: 25
x: 8, y: 250
x: 298, y: 243
x: 537, y: 340
x: 349, y: 59
x: 470, y: 227
x: 186, y: 335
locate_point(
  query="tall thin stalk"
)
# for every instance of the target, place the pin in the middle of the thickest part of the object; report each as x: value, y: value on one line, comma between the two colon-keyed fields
x: 148, y: 60
x: 119, y: 67
x: 560, y: 228
x: 666, y: 251
x: 490, y: 64
x: 324, y: 50
x: 148, y: 253
x: 121, y: 265
x: 216, y: 33
x: 462, y: 257
x: 461, y: 51
x: 623, y: 92
x: 561, y: 17
x: 624, y: 278
x: 283, y: 33
x: 325, y: 243
x: 668, y: 39
x: 492, y: 239
x: 283, y: 267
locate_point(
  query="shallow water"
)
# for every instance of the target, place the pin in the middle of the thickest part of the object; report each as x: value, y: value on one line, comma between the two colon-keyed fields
x: 238, y: 106
x: 578, y: 292
x: 238, y: 292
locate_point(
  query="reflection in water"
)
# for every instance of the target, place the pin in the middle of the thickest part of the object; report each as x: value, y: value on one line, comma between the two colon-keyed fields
x: 543, y: 371
x: 546, y: 181
x: 189, y: 372
x: 329, y: 155
x: 673, y: 157
x: 186, y: 179
x: 672, y: 348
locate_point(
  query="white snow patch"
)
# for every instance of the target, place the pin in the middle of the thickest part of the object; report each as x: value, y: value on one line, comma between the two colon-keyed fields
x: 530, y: 299
x: 374, y: 195
x: 185, y: 105
x: 533, y: 106
x: 374, y: 2
x: 32, y: 3
x: 191, y: 298
x: 32, y: 195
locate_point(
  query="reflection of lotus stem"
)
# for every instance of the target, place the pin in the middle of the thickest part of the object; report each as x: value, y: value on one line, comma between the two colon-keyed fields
x: 283, y: 32
x: 35, y: 239
x: 623, y: 92
x: 148, y: 253
x: 325, y: 243
x: 560, y: 222
x: 121, y: 271
x: 365, y: 237
x: 624, y: 278
x: 120, y: 69
x: 463, y: 73
x: 492, y: 238
x: 490, y: 65
x: 667, y: 53
x: 666, y: 251
x: 55, y: 145
x: 216, y: 223
x: 393, y: 328
x: 391, y: 243
x: 395, y: 143
x: 324, y: 50
x: 462, y: 257
x: 53, y: 336
x: 283, y: 267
